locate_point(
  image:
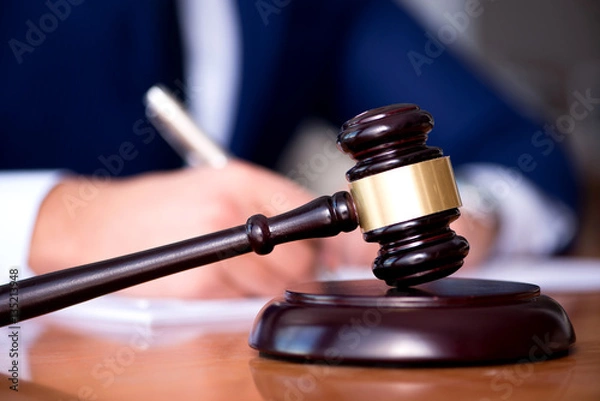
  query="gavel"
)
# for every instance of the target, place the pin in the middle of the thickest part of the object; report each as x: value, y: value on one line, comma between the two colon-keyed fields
x: 403, y: 195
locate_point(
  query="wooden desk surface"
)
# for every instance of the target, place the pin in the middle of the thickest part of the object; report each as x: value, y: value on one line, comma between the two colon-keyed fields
x: 184, y: 363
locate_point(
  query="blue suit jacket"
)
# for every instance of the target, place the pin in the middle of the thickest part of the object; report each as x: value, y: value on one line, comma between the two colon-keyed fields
x: 74, y: 75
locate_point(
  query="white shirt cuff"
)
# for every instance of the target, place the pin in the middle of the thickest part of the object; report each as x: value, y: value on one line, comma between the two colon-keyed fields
x: 530, y: 222
x: 22, y: 193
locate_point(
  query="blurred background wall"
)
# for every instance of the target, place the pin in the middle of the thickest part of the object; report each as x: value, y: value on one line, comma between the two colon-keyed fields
x: 539, y: 53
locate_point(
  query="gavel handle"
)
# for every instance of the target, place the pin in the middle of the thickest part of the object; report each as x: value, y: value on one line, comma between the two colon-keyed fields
x: 24, y: 299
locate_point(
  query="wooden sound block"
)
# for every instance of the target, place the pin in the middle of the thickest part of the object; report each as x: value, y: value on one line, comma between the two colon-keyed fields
x: 449, y: 321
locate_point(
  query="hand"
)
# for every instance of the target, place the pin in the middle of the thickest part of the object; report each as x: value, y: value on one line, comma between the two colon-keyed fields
x: 128, y: 215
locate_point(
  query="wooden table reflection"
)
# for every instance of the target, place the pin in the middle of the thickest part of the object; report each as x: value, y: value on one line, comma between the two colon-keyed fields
x: 191, y: 363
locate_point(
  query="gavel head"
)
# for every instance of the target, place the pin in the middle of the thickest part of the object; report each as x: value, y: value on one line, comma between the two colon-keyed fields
x: 405, y: 195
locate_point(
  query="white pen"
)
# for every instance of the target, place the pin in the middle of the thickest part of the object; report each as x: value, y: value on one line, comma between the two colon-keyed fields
x: 180, y: 131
